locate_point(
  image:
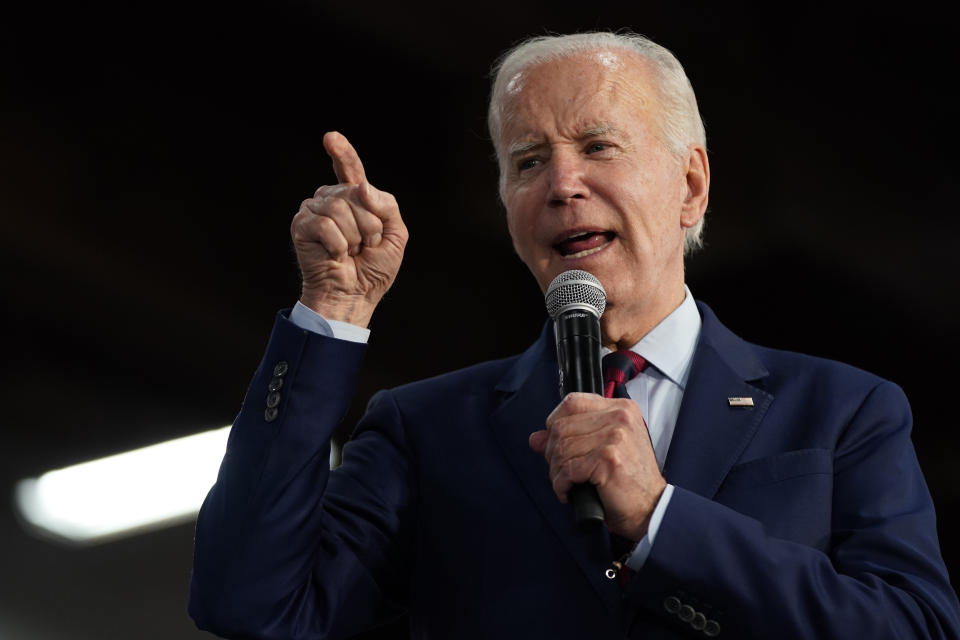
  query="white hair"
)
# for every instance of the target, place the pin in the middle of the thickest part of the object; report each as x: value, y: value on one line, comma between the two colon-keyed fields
x: 679, y: 118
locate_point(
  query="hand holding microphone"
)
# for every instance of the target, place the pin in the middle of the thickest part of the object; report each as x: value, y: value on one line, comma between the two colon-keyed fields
x: 598, y: 449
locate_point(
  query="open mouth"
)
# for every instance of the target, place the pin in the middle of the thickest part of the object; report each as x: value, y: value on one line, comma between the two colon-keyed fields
x: 584, y: 243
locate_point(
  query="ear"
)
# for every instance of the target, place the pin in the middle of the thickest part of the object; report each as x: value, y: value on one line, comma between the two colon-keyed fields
x: 698, y: 187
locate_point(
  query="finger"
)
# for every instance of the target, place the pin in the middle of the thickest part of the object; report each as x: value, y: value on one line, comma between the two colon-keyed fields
x: 369, y: 225
x: 383, y: 205
x: 592, y: 468
x: 344, y: 214
x: 560, y: 451
x: 308, y: 229
x: 578, y: 424
x: 562, y: 479
x: 538, y: 441
x: 326, y: 190
x: 576, y: 402
x: 346, y: 162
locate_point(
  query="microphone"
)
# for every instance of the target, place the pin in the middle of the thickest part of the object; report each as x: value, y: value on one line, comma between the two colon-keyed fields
x: 575, y: 301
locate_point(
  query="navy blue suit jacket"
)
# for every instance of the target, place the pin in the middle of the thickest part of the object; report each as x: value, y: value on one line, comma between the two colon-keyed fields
x: 803, y: 516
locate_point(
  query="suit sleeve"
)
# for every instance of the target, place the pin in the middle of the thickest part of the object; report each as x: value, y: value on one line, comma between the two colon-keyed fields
x: 879, y: 575
x: 284, y: 548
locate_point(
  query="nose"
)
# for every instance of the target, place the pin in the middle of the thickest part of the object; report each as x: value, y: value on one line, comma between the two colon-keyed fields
x: 567, y: 179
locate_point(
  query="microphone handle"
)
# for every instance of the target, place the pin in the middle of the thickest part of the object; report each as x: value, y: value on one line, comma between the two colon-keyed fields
x: 578, y: 354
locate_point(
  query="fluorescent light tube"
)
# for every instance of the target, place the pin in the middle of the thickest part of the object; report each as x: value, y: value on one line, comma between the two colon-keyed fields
x: 133, y: 492
x: 128, y: 493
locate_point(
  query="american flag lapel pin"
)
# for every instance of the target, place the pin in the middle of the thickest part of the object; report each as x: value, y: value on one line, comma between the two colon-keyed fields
x: 740, y: 402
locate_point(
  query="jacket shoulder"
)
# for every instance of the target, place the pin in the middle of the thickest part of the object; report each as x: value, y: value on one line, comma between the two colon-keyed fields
x: 779, y: 366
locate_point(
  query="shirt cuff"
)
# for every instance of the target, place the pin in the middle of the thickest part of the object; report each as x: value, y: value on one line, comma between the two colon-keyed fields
x: 306, y: 318
x: 642, y: 550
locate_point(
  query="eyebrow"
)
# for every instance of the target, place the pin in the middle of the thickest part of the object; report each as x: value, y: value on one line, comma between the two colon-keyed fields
x: 602, y: 129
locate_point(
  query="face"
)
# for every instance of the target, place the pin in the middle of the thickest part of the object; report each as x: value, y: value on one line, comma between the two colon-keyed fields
x: 587, y: 183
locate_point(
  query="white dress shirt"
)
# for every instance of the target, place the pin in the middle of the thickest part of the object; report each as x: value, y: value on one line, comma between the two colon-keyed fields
x: 658, y: 389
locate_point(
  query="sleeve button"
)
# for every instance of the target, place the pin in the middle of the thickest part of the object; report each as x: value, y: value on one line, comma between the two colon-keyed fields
x: 270, y: 414
x: 281, y: 368
x: 711, y: 628
x: 699, y: 621
x: 275, y: 384
x: 686, y: 613
x: 273, y: 400
x: 671, y: 604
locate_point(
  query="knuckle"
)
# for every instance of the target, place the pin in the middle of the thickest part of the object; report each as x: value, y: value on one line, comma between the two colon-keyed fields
x: 581, y: 402
x: 621, y: 415
x: 570, y: 403
x: 369, y: 221
x: 559, y: 449
x: 610, y: 454
x: 560, y: 427
x: 618, y: 435
x: 297, y: 224
x: 327, y: 224
x: 338, y: 207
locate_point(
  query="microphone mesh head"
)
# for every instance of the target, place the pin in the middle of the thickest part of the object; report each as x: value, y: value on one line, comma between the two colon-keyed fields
x: 575, y: 288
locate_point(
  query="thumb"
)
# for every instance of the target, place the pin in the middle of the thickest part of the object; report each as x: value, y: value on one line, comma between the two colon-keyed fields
x: 538, y: 441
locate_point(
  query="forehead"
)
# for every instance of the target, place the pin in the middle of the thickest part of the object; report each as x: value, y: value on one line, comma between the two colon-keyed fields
x: 577, y: 92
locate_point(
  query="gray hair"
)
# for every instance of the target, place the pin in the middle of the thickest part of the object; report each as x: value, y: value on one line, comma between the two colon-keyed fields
x: 679, y: 119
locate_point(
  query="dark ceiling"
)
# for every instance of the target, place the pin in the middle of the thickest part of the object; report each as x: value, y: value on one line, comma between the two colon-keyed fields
x: 151, y: 159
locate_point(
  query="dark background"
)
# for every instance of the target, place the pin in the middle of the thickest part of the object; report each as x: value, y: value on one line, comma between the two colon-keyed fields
x: 151, y: 160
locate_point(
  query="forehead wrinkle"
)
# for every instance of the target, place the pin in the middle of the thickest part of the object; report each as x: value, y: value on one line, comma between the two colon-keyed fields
x: 601, y: 129
x: 625, y: 86
x: 587, y: 130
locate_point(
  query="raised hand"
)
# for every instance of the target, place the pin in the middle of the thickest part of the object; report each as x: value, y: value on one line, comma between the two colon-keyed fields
x: 349, y: 240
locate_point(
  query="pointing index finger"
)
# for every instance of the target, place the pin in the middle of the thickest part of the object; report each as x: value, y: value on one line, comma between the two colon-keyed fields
x: 346, y: 162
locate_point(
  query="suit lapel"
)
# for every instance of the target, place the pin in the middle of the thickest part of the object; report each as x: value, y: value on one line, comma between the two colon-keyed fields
x: 711, y: 435
x: 530, y: 391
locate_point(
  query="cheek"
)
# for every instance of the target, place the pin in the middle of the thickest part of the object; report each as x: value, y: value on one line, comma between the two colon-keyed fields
x: 520, y: 233
x: 660, y: 197
x: 521, y: 219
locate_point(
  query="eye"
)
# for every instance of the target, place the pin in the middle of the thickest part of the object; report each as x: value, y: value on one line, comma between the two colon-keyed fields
x: 596, y: 147
x: 527, y: 163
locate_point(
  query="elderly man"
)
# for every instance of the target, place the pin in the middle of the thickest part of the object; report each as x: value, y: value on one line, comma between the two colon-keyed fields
x: 747, y: 492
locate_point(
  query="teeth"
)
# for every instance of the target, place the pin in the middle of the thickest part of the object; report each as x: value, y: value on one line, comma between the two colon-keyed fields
x: 580, y: 235
x: 587, y: 252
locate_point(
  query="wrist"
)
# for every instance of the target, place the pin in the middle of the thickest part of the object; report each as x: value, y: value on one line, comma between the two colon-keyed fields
x: 352, y: 309
x: 642, y: 525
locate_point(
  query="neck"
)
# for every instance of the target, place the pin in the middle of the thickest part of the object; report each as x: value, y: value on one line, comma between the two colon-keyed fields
x: 624, y: 325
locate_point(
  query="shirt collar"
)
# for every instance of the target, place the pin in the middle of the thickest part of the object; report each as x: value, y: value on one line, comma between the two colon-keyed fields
x: 669, y: 346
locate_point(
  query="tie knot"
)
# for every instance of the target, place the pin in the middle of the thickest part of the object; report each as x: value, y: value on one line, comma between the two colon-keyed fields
x: 619, y: 367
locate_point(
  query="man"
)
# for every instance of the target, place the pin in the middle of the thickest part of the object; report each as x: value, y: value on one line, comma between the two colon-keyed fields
x: 759, y: 493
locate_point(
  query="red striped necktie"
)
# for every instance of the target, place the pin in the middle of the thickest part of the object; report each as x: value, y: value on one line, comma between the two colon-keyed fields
x: 619, y: 367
